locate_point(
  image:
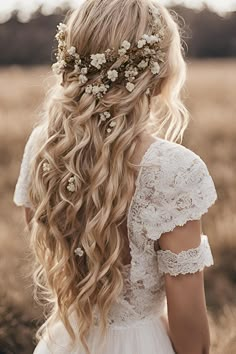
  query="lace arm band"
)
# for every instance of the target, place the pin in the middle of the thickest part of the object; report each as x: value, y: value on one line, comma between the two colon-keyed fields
x: 189, y: 261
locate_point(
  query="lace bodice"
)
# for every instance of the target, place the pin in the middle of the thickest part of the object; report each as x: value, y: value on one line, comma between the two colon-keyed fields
x: 173, y: 186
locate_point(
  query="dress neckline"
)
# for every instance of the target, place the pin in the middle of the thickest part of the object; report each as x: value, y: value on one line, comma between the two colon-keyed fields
x: 147, y: 152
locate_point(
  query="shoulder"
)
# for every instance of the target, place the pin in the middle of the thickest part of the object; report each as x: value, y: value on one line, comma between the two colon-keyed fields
x: 173, y: 155
x: 175, y: 186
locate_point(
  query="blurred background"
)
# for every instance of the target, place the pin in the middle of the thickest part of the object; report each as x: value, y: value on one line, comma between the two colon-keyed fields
x: 27, y: 30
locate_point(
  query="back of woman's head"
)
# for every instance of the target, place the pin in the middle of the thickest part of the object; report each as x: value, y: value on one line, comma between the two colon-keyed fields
x: 82, y: 176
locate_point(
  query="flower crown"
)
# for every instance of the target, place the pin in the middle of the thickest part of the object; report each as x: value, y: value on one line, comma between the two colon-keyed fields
x: 113, y: 67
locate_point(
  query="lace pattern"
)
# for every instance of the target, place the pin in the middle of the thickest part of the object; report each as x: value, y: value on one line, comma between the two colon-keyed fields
x: 172, y: 187
x: 21, y: 190
x: 189, y: 261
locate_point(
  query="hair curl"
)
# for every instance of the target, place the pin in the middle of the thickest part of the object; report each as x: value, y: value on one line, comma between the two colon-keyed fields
x: 73, y: 144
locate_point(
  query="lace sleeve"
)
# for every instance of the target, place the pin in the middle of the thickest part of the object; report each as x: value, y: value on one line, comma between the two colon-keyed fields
x: 20, y: 197
x: 178, y: 189
x: 189, y: 261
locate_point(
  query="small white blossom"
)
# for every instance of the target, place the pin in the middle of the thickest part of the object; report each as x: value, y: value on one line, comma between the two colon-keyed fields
x: 71, y: 51
x: 83, y: 79
x: 46, y: 167
x: 79, y: 252
x: 112, y: 124
x: 109, y: 130
x: 122, y: 51
x: 130, y: 87
x: 84, y: 71
x: 143, y: 64
x: 147, y: 51
x: 56, y: 68
x: 98, y: 60
x: 71, y: 186
x: 62, y: 27
x: 141, y: 43
x: 155, y: 68
x: 105, y: 115
x: 112, y: 75
x: 148, y: 91
x: 126, y: 45
x: 95, y: 89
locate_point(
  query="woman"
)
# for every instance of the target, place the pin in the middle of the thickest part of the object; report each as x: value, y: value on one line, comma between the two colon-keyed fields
x: 115, y: 210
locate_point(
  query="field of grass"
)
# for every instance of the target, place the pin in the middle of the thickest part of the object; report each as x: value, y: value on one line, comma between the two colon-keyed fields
x: 211, y: 99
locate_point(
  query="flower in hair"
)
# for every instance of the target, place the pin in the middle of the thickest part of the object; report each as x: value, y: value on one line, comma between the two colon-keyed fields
x: 79, y: 252
x: 155, y: 68
x: 71, y: 185
x: 98, y: 60
x: 126, y: 45
x: 112, y: 75
x: 130, y: 87
x: 46, y: 167
x: 113, y: 67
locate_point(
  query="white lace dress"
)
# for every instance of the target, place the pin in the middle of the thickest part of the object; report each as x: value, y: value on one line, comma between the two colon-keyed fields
x: 172, y: 187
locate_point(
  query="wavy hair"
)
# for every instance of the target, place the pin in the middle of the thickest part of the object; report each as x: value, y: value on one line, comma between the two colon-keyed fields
x: 73, y: 144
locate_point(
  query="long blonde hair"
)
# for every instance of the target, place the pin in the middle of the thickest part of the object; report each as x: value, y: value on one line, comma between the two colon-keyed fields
x: 73, y: 144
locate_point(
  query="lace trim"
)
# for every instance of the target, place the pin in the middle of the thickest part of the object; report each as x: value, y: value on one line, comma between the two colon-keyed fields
x: 20, y: 197
x: 189, y: 261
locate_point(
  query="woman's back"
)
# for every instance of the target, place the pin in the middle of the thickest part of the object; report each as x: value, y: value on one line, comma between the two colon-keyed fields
x: 173, y: 186
x: 111, y: 242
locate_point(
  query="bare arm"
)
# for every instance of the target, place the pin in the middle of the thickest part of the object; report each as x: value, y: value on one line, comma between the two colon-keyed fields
x: 187, y: 313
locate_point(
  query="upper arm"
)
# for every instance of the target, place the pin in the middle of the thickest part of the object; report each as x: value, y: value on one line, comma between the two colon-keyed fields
x: 186, y: 304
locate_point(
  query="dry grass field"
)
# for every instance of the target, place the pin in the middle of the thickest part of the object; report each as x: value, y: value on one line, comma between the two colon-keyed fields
x: 211, y: 99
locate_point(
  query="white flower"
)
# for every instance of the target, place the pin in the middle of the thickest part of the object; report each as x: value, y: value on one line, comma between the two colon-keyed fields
x: 109, y: 130
x: 89, y: 89
x: 141, y: 43
x: 71, y: 186
x: 126, y: 45
x: 148, y: 91
x: 112, y: 124
x: 79, y: 252
x: 76, y: 68
x: 147, y: 38
x: 71, y: 51
x: 98, y: 60
x: 132, y: 72
x: 143, y: 64
x: 105, y: 115
x: 122, y: 51
x: 46, y: 167
x: 95, y: 89
x: 83, y: 79
x: 112, y: 75
x: 56, y: 68
x: 155, y: 68
x: 84, y: 71
x: 130, y: 87
x: 147, y: 51
x: 62, y: 27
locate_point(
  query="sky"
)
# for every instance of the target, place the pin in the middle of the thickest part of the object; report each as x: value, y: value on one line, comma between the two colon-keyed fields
x: 26, y: 7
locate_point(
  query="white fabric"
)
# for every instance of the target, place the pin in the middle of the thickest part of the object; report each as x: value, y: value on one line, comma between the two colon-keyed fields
x: 20, y: 195
x: 187, y: 261
x: 173, y: 186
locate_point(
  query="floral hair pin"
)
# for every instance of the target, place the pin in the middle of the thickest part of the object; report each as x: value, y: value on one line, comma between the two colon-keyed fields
x: 79, y: 252
x: 71, y: 184
x: 114, y: 67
